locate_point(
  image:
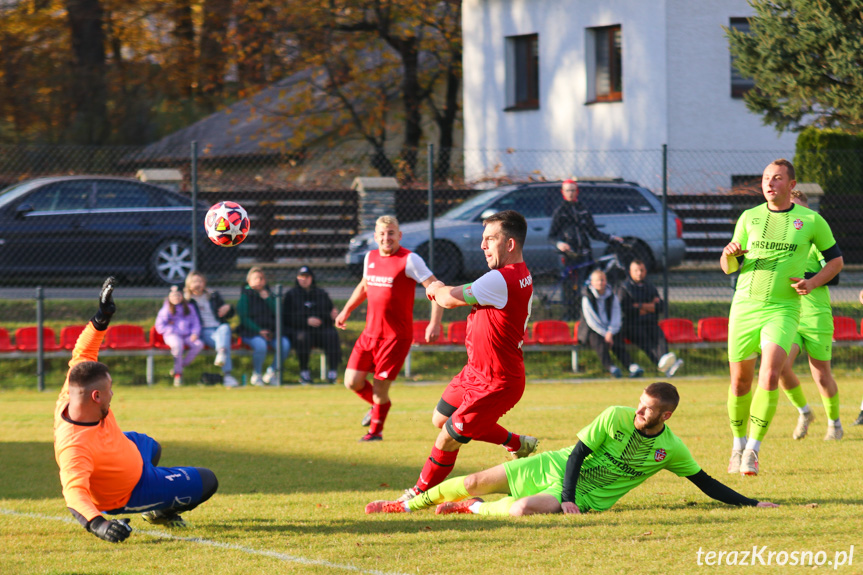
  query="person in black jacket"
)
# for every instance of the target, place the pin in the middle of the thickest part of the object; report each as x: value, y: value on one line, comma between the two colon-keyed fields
x: 214, y: 313
x: 572, y: 226
x: 641, y: 305
x: 309, y: 313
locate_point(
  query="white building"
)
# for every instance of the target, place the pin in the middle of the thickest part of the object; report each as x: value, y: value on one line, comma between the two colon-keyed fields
x: 559, y: 88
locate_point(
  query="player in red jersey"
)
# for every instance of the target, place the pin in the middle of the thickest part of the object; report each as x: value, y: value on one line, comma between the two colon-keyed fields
x: 492, y: 382
x: 390, y: 276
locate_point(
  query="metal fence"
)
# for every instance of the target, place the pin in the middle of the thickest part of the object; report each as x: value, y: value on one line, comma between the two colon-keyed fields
x: 306, y: 207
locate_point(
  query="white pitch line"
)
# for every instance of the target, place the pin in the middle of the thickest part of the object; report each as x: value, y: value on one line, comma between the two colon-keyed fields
x: 210, y: 543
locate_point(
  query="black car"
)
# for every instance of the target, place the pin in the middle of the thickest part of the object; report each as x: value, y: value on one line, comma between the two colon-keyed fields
x: 82, y: 225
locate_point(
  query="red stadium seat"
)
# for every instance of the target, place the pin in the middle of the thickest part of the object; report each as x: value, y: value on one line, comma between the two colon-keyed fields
x: 126, y: 336
x: 25, y: 339
x: 5, y: 341
x: 713, y: 328
x: 845, y: 329
x: 69, y: 336
x: 457, y: 332
x: 678, y: 330
x: 157, y: 341
x: 552, y: 332
x: 419, y: 335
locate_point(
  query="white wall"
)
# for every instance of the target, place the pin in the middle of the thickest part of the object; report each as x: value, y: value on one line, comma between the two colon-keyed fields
x: 676, y: 90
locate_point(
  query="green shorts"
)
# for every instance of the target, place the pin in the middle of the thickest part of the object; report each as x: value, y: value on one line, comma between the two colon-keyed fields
x: 540, y: 475
x: 752, y: 322
x: 815, y: 335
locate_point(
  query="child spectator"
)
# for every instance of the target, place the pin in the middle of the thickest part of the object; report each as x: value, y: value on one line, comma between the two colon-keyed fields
x: 180, y: 329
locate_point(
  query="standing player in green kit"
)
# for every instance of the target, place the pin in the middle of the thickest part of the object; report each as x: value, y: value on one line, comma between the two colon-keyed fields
x: 815, y: 335
x: 770, y: 247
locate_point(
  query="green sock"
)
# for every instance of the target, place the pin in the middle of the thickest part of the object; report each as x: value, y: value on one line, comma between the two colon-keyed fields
x: 831, y: 406
x: 796, y: 397
x: 738, y: 412
x: 762, y: 412
x: 500, y: 507
x: 450, y: 490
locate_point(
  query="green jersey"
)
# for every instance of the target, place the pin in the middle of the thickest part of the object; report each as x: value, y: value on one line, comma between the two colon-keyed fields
x: 818, y: 300
x: 623, y: 458
x: 778, y: 246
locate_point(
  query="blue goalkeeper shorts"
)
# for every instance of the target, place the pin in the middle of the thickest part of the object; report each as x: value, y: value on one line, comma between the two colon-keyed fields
x: 160, y: 487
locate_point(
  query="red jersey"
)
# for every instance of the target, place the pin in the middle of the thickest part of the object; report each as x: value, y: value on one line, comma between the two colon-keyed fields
x: 391, y: 283
x: 496, y: 324
x: 99, y: 466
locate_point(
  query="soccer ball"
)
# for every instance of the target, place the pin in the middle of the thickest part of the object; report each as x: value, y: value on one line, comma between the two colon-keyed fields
x: 227, y: 224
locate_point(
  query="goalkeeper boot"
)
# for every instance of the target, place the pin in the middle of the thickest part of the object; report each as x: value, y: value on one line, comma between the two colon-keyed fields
x: 165, y: 518
x: 462, y: 506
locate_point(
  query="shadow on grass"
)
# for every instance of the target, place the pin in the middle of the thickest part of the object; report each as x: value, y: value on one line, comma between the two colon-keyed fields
x: 29, y: 471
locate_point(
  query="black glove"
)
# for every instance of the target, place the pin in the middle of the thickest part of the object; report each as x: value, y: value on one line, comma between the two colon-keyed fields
x: 112, y: 531
x: 106, y: 305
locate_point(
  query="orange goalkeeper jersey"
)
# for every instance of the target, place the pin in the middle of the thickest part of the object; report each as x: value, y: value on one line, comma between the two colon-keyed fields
x: 99, y: 466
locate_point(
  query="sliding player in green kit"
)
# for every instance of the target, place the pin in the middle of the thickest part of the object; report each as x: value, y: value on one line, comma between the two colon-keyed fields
x: 770, y: 247
x: 815, y: 335
x: 616, y: 453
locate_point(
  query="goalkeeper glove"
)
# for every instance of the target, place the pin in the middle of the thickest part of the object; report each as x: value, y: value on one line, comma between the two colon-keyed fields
x: 112, y: 531
x: 106, y: 305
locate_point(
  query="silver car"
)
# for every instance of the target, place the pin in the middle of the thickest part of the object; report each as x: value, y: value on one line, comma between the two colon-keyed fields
x: 619, y: 208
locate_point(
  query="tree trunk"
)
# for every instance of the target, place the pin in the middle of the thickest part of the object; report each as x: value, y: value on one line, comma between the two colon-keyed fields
x: 90, y: 94
x: 446, y: 121
x: 412, y: 100
x: 184, y: 42
x: 211, y: 66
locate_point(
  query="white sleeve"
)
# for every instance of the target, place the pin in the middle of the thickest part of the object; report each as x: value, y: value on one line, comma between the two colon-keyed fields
x: 490, y: 289
x: 416, y: 268
x: 366, y: 265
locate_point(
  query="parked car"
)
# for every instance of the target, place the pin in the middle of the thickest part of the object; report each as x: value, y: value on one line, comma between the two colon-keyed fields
x: 619, y: 208
x: 86, y: 225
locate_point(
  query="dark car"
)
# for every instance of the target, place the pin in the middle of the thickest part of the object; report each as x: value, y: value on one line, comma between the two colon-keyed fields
x: 82, y: 225
x: 619, y: 208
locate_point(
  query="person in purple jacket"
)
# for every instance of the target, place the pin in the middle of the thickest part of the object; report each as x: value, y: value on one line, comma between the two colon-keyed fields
x: 181, y: 329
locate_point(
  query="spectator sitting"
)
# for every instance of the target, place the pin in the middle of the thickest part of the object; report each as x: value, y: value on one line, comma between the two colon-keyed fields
x: 309, y: 314
x: 641, y: 305
x: 600, y: 325
x: 180, y: 329
x: 257, y: 311
x: 213, y: 314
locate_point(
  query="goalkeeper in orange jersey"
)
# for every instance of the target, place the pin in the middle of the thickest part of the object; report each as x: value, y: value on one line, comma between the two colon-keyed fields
x: 104, y: 470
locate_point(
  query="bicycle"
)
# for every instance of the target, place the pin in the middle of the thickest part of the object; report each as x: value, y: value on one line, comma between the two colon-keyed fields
x: 610, y: 263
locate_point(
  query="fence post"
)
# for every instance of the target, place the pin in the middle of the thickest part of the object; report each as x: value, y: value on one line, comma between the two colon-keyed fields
x: 279, y: 366
x: 431, y: 206
x: 665, y: 226
x: 194, y: 175
x: 40, y: 343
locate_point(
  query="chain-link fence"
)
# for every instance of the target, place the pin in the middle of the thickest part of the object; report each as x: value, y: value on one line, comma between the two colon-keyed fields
x: 127, y: 211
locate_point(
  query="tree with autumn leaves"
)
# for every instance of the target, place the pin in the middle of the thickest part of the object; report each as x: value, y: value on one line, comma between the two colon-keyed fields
x: 111, y: 72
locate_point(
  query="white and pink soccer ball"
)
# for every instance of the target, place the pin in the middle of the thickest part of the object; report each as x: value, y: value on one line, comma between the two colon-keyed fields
x: 227, y: 224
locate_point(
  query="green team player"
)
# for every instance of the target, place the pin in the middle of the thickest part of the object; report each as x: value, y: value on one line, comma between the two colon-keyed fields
x: 616, y: 453
x: 815, y: 335
x: 770, y: 247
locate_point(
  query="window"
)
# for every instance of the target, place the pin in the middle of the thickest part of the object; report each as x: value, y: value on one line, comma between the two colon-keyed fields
x: 604, y: 64
x: 601, y: 200
x: 531, y: 203
x: 522, y: 67
x: 121, y: 195
x: 739, y: 84
x: 63, y: 196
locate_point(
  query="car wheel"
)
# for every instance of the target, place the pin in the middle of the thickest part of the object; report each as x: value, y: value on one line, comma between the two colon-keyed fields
x: 171, y: 261
x: 448, y: 262
x: 638, y: 251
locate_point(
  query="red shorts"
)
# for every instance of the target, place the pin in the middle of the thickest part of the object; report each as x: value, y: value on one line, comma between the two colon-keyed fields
x: 479, y: 404
x: 381, y: 357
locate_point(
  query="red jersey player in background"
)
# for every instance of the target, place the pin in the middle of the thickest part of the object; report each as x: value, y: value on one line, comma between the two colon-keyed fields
x: 492, y: 382
x: 390, y: 276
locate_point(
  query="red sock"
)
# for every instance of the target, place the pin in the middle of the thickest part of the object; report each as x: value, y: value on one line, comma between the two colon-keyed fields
x: 379, y: 415
x: 499, y: 436
x: 366, y: 393
x: 437, y: 467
